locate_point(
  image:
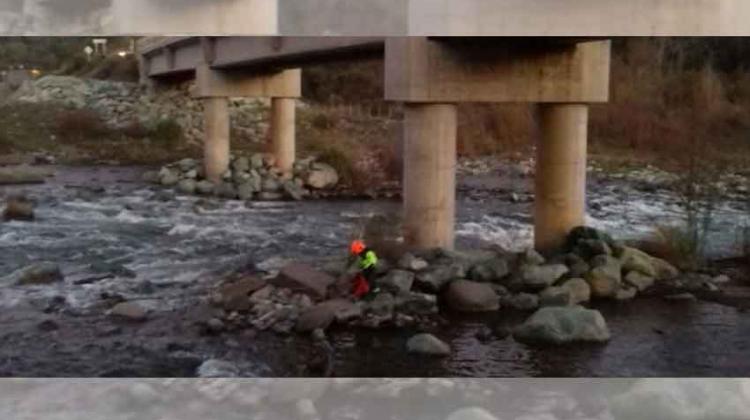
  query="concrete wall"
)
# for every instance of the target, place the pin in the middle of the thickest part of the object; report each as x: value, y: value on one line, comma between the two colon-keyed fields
x: 343, y: 17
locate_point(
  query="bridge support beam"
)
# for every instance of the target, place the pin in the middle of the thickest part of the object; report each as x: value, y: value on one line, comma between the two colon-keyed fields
x: 560, y: 184
x: 429, y: 180
x: 216, y: 141
x: 283, y: 145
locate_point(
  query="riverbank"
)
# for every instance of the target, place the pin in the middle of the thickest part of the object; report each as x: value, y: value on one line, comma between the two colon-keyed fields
x: 167, y: 251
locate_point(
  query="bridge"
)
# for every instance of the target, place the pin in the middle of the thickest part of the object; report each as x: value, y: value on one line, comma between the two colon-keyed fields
x: 430, y: 76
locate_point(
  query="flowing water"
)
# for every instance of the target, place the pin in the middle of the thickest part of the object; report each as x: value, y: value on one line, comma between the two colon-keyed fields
x: 113, y: 234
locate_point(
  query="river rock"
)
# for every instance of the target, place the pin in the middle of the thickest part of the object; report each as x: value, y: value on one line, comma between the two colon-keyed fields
x: 38, y: 273
x: 557, y: 296
x: 245, y: 191
x: 18, y: 207
x: 235, y: 296
x: 322, y: 315
x: 168, y: 177
x: 532, y: 257
x: 493, y: 270
x: 204, y: 187
x: 433, y: 279
x: 186, y: 186
x: 271, y: 185
x: 539, y: 277
x: 563, y: 325
x: 129, y: 311
x: 605, y: 278
x: 226, y: 190
x: 579, y: 288
x: 241, y: 164
x: 270, y: 196
x: 470, y: 296
x: 427, y: 344
x: 215, y: 368
x: 381, y: 305
x: 664, y: 270
x: 521, y: 301
x: 410, y: 262
x: 639, y: 281
x: 472, y: 413
x: 626, y: 293
x: 397, y: 281
x: 633, y: 259
x: 414, y: 303
x: 293, y: 191
x: 187, y: 164
x: 21, y: 174
x: 321, y: 176
x: 303, y: 278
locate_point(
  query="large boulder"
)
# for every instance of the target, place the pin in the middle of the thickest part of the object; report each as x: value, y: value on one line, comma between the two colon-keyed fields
x: 539, y: 277
x: 557, y: 296
x: 322, y: 315
x: 129, y: 311
x: 38, y: 273
x: 18, y: 207
x: 633, y: 259
x: 186, y: 186
x: 605, y: 278
x: 21, y: 174
x: 521, y: 301
x: 493, y: 271
x: 321, y: 176
x: 204, y: 187
x: 414, y: 303
x: 470, y: 296
x: 563, y: 325
x: 235, y: 296
x: 664, y: 270
x: 639, y: 280
x: 397, y: 281
x: 579, y: 288
x: 427, y: 344
x: 434, y: 278
x: 409, y: 261
x: 169, y: 177
x: 304, y: 278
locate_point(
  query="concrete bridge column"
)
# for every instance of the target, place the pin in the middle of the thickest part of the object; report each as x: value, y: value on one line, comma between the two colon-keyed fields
x: 560, y: 174
x: 283, y: 111
x: 216, y: 141
x: 429, y: 182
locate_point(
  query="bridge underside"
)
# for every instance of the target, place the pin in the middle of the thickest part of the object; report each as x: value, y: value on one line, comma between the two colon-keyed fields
x: 430, y: 76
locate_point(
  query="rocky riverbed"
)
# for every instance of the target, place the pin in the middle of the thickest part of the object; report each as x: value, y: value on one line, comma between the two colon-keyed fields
x: 140, y: 264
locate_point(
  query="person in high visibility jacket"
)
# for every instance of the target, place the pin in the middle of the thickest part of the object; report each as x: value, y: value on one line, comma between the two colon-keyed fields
x: 364, y: 282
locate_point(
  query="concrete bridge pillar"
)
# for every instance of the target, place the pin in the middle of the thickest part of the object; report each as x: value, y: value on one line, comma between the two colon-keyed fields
x: 424, y: 72
x: 215, y: 87
x: 283, y: 145
x: 429, y: 179
x: 216, y: 141
x: 560, y: 184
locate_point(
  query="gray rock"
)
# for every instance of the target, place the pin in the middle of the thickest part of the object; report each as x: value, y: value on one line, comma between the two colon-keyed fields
x: 410, y: 262
x: 563, y: 325
x: 186, y: 186
x: 636, y: 260
x: 293, y: 191
x: 38, y: 273
x: 557, y: 296
x: 531, y: 257
x: 256, y: 161
x: 397, y: 281
x: 626, y: 293
x: 321, y: 176
x: 681, y: 297
x: 18, y: 207
x: 204, y: 187
x: 226, y: 190
x: 187, y: 164
x: 168, y: 177
x: 579, y: 288
x: 129, y: 311
x: 271, y: 185
x: 191, y: 174
x: 490, y: 271
x: 538, y: 277
x: 639, y: 281
x: 270, y: 196
x: 303, y: 278
x: 151, y: 177
x: 381, y: 305
x: 605, y: 278
x: 241, y: 164
x: 664, y: 270
x: 322, y: 315
x: 521, y: 301
x: 427, y: 344
x: 414, y: 303
x: 245, y: 191
x: 434, y: 278
x: 470, y: 296
x: 215, y: 368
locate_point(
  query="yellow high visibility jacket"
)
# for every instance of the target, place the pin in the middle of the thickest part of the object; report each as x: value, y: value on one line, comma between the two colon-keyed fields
x: 367, y: 259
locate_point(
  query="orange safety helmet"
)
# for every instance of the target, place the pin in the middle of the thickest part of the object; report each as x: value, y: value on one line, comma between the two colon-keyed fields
x: 357, y: 247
